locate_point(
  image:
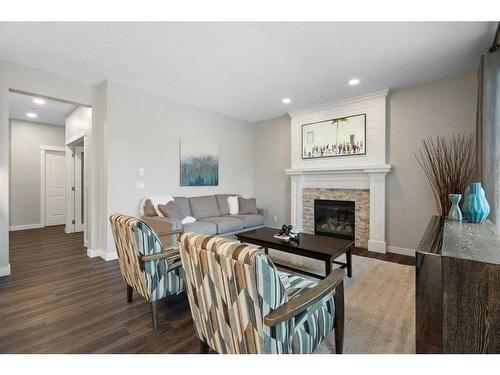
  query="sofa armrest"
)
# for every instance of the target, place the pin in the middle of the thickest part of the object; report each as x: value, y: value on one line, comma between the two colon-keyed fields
x: 164, y: 225
x: 265, y: 213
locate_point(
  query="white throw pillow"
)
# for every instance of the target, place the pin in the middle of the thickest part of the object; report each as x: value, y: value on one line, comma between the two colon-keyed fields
x: 234, y: 208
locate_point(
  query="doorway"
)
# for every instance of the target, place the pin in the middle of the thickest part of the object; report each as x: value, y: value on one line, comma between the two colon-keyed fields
x: 48, y: 135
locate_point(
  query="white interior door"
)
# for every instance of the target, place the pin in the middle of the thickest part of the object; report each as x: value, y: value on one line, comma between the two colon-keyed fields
x: 55, y: 188
x: 79, y: 206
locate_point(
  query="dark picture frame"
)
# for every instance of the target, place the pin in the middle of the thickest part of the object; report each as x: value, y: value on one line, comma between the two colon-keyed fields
x: 338, y: 145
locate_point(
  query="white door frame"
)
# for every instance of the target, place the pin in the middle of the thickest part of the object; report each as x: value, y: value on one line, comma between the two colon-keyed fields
x: 78, y: 199
x: 43, y: 151
x: 70, y: 143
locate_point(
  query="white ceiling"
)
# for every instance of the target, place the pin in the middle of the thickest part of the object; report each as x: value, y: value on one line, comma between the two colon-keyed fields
x: 245, y: 69
x: 52, y: 112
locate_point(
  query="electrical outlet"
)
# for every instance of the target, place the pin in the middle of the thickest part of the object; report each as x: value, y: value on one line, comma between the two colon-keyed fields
x: 141, y: 171
x: 275, y: 219
x: 140, y: 185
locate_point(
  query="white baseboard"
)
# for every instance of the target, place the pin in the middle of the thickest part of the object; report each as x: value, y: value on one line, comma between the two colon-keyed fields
x: 401, y: 250
x: 111, y: 256
x: 5, y: 271
x: 377, y: 246
x: 103, y: 254
x: 25, y: 226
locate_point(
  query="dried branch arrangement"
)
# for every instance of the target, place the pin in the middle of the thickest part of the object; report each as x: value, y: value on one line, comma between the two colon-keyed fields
x: 449, y: 164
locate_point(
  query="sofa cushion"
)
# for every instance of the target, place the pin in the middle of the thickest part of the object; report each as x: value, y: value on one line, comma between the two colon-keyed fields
x: 183, y: 206
x: 170, y: 210
x: 222, y: 202
x: 225, y: 224
x: 204, y: 206
x: 201, y: 227
x: 247, y: 206
x: 251, y: 220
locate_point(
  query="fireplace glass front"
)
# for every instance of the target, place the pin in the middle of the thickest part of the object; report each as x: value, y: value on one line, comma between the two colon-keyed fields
x: 334, y: 218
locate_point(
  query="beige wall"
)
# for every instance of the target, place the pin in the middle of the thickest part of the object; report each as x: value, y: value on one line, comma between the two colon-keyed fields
x: 439, y: 107
x: 271, y: 144
x: 144, y: 130
x: 26, y: 139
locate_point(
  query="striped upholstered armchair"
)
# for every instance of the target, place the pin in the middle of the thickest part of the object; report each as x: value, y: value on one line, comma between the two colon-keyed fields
x: 240, y: 303
x: 146, y: 266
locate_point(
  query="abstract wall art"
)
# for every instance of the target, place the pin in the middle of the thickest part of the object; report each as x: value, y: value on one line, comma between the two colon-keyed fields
x: 199, y: 163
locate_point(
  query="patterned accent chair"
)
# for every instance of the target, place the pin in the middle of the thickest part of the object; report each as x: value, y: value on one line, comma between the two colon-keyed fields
x: 146, y: 266
x: 240, y: 303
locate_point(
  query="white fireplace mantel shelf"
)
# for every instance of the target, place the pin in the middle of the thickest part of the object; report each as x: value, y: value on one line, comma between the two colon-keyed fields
x: 368, y: 169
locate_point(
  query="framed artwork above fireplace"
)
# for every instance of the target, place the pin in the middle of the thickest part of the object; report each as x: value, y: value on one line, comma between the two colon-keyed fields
x: 344, y: 136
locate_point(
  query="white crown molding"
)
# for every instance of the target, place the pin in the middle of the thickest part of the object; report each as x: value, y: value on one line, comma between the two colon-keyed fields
x: 337, y: 103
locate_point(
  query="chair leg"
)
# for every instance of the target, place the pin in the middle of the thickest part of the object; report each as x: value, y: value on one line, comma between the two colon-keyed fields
x: 130, y: 290
x: 204, y: 348
x: 339, y: 318
x: 154, y: 314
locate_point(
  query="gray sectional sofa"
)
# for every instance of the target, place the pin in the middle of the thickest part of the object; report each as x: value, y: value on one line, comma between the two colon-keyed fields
x: 211, y: 213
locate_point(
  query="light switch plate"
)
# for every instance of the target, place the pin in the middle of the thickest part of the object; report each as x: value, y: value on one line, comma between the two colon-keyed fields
x: 140, y: 185
x: 275, y: 219
x: 141, y: 171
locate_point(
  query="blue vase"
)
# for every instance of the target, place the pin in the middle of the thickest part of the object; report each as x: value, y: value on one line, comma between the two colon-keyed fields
x: 476, y: 207
x: 455, y: 214
x: 465, y: 207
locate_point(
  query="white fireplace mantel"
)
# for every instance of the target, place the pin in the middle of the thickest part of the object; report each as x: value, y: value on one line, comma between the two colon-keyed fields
x: 366, y: 171
x: 362, y: 177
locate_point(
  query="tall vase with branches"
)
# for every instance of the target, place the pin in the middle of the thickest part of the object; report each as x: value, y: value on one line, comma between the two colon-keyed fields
x: 449, y: 164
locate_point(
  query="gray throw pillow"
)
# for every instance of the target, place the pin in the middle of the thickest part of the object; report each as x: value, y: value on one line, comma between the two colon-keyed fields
x: 170, y: 210
x: 247, y: 206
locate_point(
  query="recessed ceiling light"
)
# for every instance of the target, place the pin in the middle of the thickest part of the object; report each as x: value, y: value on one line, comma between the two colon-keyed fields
x: 285, y: 100
x: 31, y: 115
x: 354, y: 82
x: 39, y: 101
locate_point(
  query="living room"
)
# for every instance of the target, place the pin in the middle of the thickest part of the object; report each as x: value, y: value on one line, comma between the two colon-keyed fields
x: 245, y: 196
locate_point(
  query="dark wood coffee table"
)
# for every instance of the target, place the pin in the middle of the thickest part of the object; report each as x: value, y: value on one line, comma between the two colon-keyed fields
x: 313, y: 246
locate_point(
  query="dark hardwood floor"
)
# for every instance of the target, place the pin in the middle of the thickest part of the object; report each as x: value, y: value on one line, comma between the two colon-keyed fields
x: 57, y: 300
x: 388, y: 257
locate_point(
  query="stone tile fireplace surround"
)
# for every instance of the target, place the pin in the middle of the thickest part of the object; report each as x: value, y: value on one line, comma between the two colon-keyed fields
x: 361, y: 199
x: 358, y: 178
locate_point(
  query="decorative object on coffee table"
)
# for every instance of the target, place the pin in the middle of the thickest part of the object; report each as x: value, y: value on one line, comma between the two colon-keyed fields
x: 449, y: 164
x: 284, y: 234
x: 476, y: 206
x: 286, y: 229
x: 455, y: 214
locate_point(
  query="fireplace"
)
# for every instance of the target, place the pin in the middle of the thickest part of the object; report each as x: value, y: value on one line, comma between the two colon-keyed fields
x: 334, y: 218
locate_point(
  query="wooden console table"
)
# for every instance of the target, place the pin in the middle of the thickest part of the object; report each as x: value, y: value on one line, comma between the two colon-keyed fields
x: 458, y: 288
